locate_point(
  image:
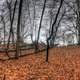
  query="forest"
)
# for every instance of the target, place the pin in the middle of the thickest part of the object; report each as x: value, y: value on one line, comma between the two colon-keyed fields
x: 39, y: 39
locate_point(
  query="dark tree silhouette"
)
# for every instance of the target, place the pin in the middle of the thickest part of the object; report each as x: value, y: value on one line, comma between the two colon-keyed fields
x: 11, y: 23
x: 52, y: 29
x: 36, y: 45
x: 18, y: 29
x: 2, y: 19
x: 78, y: 19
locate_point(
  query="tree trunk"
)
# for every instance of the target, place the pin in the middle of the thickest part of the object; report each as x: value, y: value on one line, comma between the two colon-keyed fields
x: 52, y: 28
x: 47, y: 51
x: 40, y: 24
x: 18, y: 30
x: 11, y: 24
x: 3, y: 27
x: 78, y: 19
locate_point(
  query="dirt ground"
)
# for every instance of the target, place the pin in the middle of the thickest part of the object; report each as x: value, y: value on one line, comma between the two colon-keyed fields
x: 64, y: 64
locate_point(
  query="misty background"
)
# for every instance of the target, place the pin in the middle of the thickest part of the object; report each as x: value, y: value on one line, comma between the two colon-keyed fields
x: 66, y: 34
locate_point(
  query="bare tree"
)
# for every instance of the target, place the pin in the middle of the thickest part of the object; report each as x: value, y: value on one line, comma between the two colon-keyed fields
x: 2, y: 19
x: 78, y: 19
x: 18, y: 29
x: 36, y: 44
x: 11, y: 16
x: 52, y: 29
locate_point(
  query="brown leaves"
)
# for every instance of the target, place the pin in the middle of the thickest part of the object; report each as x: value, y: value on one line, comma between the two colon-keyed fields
x: 64, y: 64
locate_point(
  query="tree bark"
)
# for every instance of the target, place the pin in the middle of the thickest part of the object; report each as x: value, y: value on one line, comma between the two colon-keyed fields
x: 78, y: 20
x: 2, y: 18
x: 40, y: 25
x: 11, y: 23
x: 18, y: 29
x: 52, y: 29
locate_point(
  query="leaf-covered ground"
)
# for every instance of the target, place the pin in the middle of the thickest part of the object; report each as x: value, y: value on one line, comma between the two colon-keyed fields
x: 64, y: 64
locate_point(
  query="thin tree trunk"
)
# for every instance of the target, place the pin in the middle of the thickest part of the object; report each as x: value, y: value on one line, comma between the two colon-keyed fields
x: 11, y: 24
x: 18, y: 29
x: 52, y: 29
x: 3, y: 27
x: 4, y: 32
x: 47, y: 51
x: 40, y: 24
x: 78, y: 19
x: 56, y: 29
x: 34, y: 3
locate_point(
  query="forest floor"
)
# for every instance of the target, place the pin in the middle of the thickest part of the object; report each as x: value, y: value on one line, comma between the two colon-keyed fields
x: 64, y: 64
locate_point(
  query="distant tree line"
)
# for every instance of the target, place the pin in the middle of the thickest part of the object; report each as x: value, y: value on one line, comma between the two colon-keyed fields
x: 20, y: 19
